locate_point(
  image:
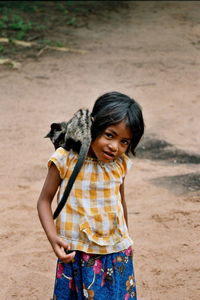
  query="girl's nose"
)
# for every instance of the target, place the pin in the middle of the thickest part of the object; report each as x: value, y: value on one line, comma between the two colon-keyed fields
x: 113, y: 146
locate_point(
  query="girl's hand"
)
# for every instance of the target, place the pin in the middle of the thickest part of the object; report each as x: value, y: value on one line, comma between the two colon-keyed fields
x: 60, y: 248
x: 49, y: 189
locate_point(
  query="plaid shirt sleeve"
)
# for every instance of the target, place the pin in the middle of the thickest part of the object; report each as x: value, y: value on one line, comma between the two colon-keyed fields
x: 59, y: 158
x: 126, y: 164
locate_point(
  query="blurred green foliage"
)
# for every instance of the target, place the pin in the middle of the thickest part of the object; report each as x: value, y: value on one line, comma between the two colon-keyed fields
x: 18, y: 18
x: 43, y: 20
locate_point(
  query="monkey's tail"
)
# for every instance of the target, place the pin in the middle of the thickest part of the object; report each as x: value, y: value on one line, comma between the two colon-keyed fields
x: 82, y: 155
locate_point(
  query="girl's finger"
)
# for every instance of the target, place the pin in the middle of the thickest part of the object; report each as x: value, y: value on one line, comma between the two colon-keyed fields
x: 64, y: 254
x: 68, y: 257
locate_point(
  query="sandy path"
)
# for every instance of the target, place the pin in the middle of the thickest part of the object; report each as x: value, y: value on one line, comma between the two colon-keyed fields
x: 150, y: 52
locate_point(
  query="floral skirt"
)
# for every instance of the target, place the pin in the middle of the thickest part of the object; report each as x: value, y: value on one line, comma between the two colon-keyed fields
x: 94, y: 277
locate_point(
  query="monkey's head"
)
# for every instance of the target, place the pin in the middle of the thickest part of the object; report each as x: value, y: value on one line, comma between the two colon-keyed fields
x: 57, y: 135
x: 72, y: 134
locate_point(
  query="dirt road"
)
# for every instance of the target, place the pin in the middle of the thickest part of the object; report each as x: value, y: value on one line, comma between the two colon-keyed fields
x: 151, y: 52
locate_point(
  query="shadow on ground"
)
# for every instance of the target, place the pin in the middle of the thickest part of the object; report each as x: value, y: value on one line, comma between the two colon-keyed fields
x: 180, y: 184
x: 155, y: 149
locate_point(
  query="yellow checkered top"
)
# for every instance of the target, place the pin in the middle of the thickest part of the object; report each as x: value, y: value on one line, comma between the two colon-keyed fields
x: 92, y: 220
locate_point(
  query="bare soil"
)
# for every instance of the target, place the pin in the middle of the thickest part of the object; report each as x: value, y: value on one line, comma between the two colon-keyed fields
x: 149, y: 51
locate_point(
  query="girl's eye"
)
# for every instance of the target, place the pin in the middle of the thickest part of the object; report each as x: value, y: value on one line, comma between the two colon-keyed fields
x: 125, y: 142
x: 108, y: 134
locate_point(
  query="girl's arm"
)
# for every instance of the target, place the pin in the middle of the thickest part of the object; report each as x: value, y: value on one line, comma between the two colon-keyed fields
x: 48, y: 192
x: 124, y: 203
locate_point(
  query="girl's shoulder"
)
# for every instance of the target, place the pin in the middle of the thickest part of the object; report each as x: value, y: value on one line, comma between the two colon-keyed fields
x: 61, y: 158
x: 124, y: 162
x: 60, y: 154
x: 61, y: 151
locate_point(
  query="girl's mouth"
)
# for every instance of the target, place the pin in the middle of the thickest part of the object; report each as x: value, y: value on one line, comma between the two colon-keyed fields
x: 108, y: 155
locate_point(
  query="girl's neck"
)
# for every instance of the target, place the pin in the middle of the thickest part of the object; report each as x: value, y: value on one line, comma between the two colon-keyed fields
x: 91, y: 153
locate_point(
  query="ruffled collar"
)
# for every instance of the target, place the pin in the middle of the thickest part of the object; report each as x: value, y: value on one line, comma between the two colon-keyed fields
x: 111, y: 164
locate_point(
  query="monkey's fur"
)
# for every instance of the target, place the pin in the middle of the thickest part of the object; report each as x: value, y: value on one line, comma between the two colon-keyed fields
x: 76, y: 135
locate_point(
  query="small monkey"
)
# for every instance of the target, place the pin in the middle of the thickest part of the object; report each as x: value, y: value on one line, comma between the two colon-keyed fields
x: 76, y: 135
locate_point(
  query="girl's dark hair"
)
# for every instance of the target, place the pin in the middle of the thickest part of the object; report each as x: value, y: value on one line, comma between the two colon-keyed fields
x: 112, y: 108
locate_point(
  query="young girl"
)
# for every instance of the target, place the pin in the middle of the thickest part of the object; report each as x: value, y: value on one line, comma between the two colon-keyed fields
x: 93, y: 223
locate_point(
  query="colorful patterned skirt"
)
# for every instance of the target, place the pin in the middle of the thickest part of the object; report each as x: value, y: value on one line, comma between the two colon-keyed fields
x: 94, y: 277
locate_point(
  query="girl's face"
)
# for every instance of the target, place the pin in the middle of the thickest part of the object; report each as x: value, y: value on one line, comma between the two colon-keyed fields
x: 113, y: 142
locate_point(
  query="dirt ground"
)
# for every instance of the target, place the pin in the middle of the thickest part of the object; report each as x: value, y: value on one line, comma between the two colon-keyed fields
x: 151, y: 52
